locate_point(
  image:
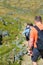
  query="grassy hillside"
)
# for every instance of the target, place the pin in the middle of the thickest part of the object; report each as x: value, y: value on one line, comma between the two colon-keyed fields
x: 13, y: 16
x: 24, y: 9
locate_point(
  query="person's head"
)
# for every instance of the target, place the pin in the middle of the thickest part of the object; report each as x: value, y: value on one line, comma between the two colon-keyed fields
x: 38, y: 19
x: 29, y: 24
x: 28, y: 27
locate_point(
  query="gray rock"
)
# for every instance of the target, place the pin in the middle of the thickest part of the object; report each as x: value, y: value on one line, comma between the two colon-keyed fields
x: 5, y: 23
x: 11, y: 22
x: 5, y: 33
x: 17, y: 19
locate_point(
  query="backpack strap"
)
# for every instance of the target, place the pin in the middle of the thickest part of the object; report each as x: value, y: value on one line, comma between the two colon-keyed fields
x: 37, y: 28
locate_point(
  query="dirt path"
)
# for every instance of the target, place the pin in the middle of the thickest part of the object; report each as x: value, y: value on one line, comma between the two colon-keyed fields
x: 27, y: 59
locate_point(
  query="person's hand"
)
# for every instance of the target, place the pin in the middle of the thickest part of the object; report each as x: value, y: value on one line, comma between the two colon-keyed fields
x: 30, y: 52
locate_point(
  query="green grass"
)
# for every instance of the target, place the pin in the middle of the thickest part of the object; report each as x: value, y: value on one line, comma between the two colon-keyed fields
x: 16, y: 13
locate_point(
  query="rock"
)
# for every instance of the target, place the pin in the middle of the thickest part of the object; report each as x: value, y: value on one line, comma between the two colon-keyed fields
x: 16, y: 58
x: 17, y: 19
x: 11, y: 22
x: 5, y: 33
x: 2, y: 20
x: 4, y: 23
x: 10, y: 13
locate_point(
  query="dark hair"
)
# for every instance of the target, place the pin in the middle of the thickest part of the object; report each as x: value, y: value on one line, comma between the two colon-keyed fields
x: 38, y: 18
x: 30, y: 24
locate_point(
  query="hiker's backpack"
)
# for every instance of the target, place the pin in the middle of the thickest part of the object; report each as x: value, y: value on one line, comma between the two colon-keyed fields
x: 40, y: 38
x: 27, y: 34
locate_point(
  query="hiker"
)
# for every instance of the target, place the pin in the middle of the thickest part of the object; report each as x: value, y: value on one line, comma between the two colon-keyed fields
x: 27, y: 30
x: 36, y: 40
x: 0, y: 37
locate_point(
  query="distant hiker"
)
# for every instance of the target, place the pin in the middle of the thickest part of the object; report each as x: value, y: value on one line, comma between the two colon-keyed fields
x: 36, y: 40
x: 27, y: 30
x: 0, y: 37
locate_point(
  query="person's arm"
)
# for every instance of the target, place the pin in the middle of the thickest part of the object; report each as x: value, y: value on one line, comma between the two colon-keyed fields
x: 31, y: 42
